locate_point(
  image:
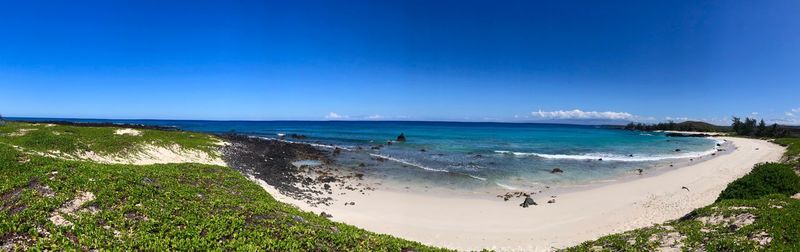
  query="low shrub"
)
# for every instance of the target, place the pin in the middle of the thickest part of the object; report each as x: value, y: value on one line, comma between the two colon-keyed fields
x: 763, y: 180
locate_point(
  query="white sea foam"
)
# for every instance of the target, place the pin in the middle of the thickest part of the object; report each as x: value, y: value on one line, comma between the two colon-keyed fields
x: 326, y: 146
x: 476, y: 177
x: 408, y: 163
x: 611, y: 157
x: 504, y: 186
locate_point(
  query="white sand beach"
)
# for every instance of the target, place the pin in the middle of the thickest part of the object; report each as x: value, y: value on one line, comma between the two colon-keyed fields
x: 484, y: 221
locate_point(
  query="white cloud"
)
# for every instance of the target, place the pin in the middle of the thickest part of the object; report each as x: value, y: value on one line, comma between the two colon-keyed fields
x: 669, y: 118
x: 796, y: 110
x: 334, y: 115
x: 580, y: 114
x: 789, y: 114
x: 754, y: 113
x: 374, y: 117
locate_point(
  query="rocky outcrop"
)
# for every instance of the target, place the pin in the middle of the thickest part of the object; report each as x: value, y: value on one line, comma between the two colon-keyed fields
x: 528, y: 202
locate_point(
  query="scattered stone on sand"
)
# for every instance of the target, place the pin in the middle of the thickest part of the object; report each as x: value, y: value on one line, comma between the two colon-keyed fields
x: 557, y: 170
x: 551, y: 201
x: 326, y: 215
x: 401, y: 137
x: 528, y: 202
x: 685, y: 188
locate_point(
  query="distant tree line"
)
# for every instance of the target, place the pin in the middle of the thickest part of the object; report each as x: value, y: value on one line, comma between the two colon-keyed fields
x: 749, y: 127
x: 683, y: 126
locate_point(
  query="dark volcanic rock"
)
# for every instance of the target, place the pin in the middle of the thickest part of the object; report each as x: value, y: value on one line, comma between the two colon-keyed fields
x: 401, y: 137
x: 687, y: 135
x: 296, y: 136
x: 271, y: 161
x: 528, y: 202
x: 557, y: 170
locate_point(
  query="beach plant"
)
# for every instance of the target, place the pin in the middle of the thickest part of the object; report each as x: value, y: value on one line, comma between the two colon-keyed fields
x: 757, y: 212
x: 792, y: 145
x: 764, y: 179
x: 161, y: 207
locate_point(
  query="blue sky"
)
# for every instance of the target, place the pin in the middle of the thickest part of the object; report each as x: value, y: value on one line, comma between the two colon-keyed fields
x: 401, y: 60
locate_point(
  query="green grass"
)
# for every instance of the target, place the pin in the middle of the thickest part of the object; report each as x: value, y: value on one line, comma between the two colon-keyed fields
x: 155, y: 207
x: 792, y: 147
x: 101, y: 140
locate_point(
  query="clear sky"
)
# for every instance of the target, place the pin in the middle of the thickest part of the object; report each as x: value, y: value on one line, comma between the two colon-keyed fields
x: 401, y: 60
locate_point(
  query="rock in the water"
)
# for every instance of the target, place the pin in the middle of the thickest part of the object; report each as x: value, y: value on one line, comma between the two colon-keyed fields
x: 528, y: 202
x: 296, y: 136
x: 401, y: 137
x: 677, y: 149
x: 423, y: 150
x: 639, y: 171
x: 557, y: 170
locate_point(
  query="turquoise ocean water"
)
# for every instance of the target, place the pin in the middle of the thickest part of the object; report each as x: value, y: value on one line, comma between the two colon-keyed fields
x: 507, y: 155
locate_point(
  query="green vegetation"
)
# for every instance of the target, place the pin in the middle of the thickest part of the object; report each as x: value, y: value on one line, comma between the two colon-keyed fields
x: 101, y: 140
x: 683, y: 126
x: 764, y: 179
x: 792, y: 145
x: 153, y: 207
x: 749, y: 127
x: 754, y: 213
x: 768, y: 223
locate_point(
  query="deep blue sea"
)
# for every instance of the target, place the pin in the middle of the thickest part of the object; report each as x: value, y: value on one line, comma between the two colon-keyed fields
x: 508, y: 155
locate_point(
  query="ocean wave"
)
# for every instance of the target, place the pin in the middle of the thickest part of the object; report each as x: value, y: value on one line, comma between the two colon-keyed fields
x: 504, y: 186
x: 408, y: 163
x: 611, y: 157
x: 475, y: 177
x: 324, y: 146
